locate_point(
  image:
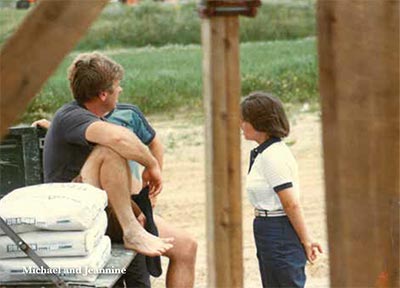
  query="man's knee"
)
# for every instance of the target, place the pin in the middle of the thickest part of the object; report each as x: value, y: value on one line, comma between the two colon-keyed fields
x: 192, y: 246
x: 99, y: 158
x: 104, y: 153
x: 187, y: 249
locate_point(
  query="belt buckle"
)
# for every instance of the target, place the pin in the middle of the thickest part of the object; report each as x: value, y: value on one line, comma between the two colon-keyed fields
x: 261, y: 213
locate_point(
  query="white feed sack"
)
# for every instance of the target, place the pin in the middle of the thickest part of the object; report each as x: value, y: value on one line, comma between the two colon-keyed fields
x: 52, y: 206
x: 85, y: 268
x: 57, y: 243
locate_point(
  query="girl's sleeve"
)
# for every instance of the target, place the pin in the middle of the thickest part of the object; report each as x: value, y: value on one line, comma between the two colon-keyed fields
x: 278, y: 174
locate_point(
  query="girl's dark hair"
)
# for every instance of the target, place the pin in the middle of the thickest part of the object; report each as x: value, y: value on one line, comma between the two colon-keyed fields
x: 266, y: 114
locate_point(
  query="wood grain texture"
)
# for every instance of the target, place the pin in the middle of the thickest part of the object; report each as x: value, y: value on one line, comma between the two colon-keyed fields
x: 359, y: 84
x: 221, y: 78
x: 35, y: 50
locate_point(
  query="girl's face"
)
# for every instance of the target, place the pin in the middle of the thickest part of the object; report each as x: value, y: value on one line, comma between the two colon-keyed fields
x: 252, y: 134
x: 249, y: 132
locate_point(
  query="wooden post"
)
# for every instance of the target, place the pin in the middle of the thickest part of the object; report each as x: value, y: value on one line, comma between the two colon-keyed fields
x: 221, y: 77
x: 359, y: 84
x: 30, y: 56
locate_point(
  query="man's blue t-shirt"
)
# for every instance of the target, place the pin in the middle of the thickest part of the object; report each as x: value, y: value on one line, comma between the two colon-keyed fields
x: 130, y: 116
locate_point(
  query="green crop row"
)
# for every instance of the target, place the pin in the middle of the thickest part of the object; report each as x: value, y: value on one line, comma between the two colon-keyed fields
x: 166, y: 78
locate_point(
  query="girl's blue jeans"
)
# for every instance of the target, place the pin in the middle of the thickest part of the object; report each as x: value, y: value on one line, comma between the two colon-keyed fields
x: 280, y: 254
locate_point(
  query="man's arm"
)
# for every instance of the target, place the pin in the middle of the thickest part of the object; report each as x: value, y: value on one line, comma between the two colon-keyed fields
x: 157, y: 150
x: 101, y: 137
x: 44, y: 123
x: 121, y: 140
x: 126, y: 144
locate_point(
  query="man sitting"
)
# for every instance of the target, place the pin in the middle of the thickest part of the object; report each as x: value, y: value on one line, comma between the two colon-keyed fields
x: 80, y: 142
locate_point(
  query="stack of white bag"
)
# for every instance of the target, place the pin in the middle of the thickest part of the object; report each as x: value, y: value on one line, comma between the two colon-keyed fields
x: 64, y: 223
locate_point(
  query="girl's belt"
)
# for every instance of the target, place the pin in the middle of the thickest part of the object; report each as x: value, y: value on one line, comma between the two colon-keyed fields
x: 267, y: 213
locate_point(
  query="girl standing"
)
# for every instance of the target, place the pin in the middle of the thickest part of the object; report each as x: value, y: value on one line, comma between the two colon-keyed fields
x: 282, y: 241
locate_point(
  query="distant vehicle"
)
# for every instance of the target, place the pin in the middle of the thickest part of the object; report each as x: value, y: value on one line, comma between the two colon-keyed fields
x: 24, y: 4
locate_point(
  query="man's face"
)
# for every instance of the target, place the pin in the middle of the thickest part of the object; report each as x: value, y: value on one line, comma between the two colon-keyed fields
x: 112, y: 97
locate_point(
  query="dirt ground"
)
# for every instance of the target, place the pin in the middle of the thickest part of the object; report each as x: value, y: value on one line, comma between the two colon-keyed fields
x: 182, y: 201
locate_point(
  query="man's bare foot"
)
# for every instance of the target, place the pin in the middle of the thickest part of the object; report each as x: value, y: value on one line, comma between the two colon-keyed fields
x: 146, y: 243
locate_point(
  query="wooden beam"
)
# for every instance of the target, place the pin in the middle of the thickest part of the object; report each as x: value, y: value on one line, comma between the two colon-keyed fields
x: 221, y: 77
x: 359, y: 85
x: 35, y: 50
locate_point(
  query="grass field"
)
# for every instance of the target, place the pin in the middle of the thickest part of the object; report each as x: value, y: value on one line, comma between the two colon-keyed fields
x: 278, y: 54
x: 152, y: 23
x: 163, y: 79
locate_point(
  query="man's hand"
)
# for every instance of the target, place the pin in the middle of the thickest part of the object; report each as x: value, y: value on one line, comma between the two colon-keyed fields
x: 151, y: 176
x: 44, y: 123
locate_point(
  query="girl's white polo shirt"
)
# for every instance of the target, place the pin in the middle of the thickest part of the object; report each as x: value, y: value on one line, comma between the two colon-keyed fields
x: 273, y: 170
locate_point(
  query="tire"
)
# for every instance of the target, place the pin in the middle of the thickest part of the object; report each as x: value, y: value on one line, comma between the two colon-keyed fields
x: 23, y: 4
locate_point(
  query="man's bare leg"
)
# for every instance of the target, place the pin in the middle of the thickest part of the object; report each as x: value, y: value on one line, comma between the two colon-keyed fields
x: 106, y: 169
x: 182, y: 257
